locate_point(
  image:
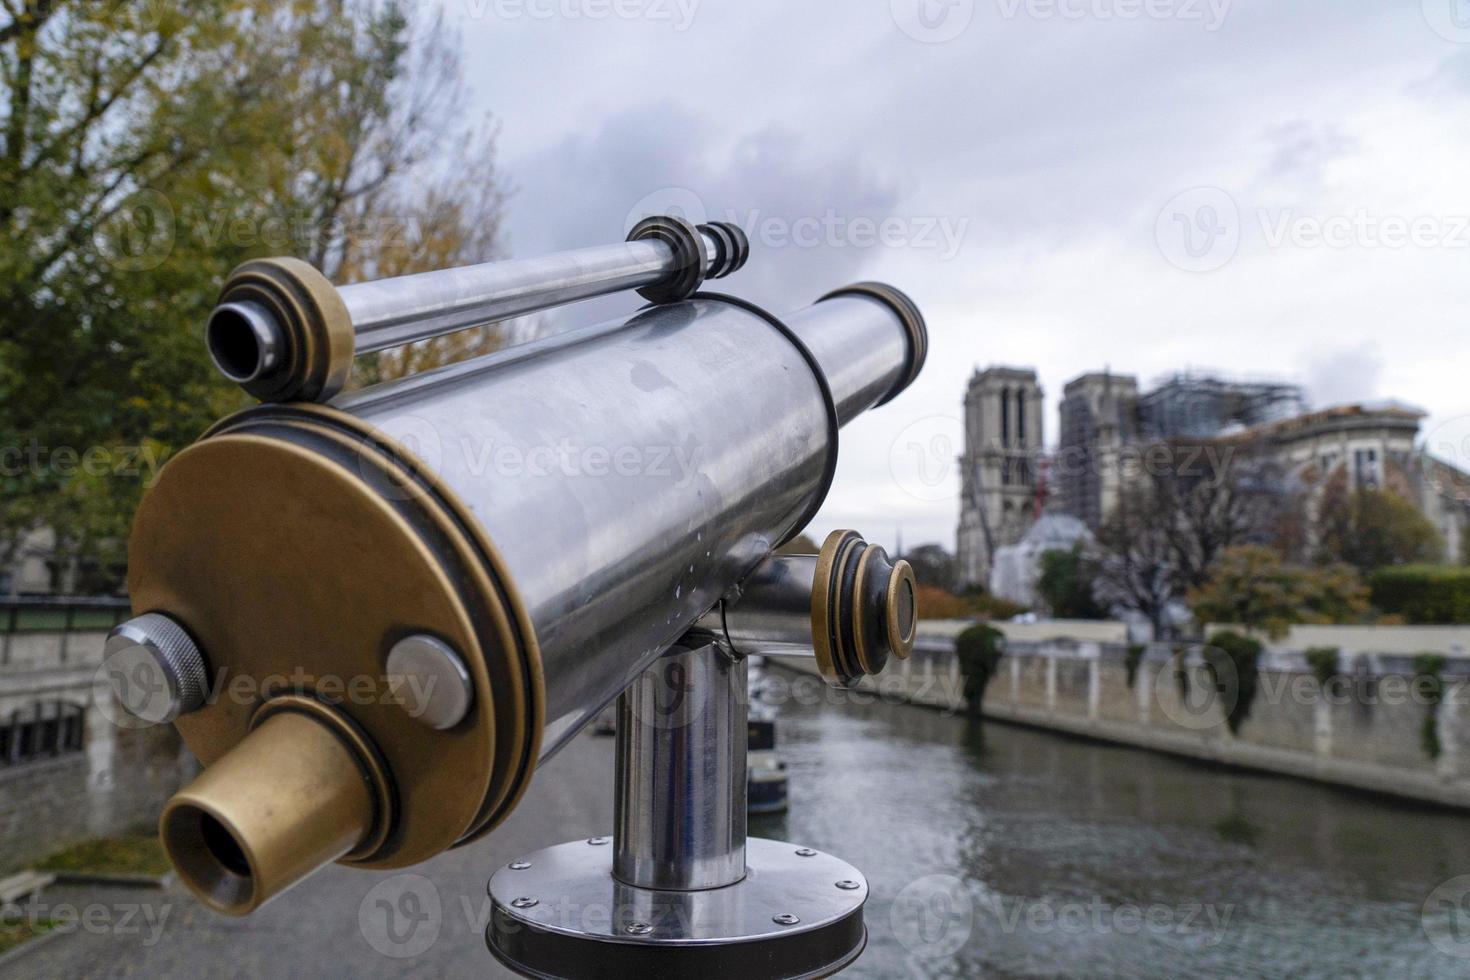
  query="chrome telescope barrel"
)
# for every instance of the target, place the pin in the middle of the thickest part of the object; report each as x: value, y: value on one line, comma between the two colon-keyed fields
x: 453, y: 573
x: 284, y: 333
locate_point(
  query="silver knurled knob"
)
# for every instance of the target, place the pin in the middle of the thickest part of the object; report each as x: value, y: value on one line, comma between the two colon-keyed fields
x: 156, y: 671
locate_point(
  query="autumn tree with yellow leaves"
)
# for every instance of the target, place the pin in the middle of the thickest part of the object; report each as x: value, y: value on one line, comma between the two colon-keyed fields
x: 148, y: 147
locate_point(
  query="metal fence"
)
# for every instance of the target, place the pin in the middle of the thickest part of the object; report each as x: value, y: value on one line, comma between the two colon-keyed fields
x: 61, y: 614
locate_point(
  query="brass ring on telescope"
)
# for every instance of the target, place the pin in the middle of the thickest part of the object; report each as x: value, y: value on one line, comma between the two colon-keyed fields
x: 306, y: 304
x: 691, y: 257
x: 867, y: 659
x: 902, y: 581
x: 843, y: 606
x: 827, y: 594
x: 913, y: 324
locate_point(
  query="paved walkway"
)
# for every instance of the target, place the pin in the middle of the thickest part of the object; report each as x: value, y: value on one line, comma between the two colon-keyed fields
x: 330, y: 925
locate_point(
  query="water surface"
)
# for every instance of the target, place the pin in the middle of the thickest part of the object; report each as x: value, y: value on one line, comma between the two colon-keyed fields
x: 995, y: 851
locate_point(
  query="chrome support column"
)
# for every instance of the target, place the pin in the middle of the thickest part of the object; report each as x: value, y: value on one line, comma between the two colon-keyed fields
x: 681, y: 891
x: 680, y: 818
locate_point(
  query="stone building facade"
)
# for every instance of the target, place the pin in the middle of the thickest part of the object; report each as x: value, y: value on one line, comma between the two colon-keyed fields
x: 1001, y: 466
x: 1360, y: 447
x: 71, y: 765
x: 1107, y: 423
x: 1099, y: 416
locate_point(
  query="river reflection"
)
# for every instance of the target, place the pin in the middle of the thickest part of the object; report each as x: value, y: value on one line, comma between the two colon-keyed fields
x: 994, y: 851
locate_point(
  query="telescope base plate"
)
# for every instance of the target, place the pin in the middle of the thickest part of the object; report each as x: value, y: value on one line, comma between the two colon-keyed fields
x: 560, y: 913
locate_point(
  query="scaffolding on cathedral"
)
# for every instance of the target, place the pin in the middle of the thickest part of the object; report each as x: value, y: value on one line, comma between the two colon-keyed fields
x: 1195, y: 406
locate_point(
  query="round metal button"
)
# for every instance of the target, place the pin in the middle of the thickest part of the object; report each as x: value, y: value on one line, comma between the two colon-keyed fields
x: 430, y: 680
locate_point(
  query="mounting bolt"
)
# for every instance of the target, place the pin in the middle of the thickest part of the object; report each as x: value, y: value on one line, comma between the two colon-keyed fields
x: 638, y: 929
x: 525, y: 902
x: 848, y: 885
x: 786, y: 919
x: 599, y: 841
x: 519, y: 865
x: 430, y: 680
x: 806, y: 852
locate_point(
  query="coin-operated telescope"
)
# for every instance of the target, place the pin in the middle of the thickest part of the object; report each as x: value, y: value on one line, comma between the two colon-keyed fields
x: 375, y: 614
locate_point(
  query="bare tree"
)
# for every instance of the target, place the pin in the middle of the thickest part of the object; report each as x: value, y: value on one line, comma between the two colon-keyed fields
x: 1136, y: 570
x: 1218, y: 495
x: 1188, y: 503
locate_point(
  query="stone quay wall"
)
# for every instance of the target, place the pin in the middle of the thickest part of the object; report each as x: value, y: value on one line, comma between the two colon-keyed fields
x: 1376, y: 726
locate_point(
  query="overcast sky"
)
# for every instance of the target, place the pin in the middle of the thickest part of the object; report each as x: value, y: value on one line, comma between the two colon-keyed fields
x: 1039, y: 164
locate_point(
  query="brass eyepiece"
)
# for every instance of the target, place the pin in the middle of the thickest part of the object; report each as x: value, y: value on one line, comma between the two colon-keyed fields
x: 864, y: 609
x: 300, y: 791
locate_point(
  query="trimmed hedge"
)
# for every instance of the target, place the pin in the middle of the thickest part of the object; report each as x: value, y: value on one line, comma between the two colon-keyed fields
x: 1231, y: 660
x: 1433, y: 595
x: 979, y: 649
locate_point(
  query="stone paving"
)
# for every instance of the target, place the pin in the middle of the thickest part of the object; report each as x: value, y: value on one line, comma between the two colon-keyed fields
x: 341, y: 922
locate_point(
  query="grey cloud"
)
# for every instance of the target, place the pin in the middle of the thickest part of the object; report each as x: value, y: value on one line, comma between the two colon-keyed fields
x: 1059, y: 142
x: 1344, y: 375
x: 774, y: 182
x: 1302, y: 150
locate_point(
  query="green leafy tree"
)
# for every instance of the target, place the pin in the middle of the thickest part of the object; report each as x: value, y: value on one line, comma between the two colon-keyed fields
x: 1065, y: 585
x: 933, y: 565
x: 1251, y: 586
x: 1423, y: 594
x: 1372, y: 529
x: 148, y: 147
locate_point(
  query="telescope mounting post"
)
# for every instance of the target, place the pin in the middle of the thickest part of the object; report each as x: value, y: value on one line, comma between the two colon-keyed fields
x: 679, y: 890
